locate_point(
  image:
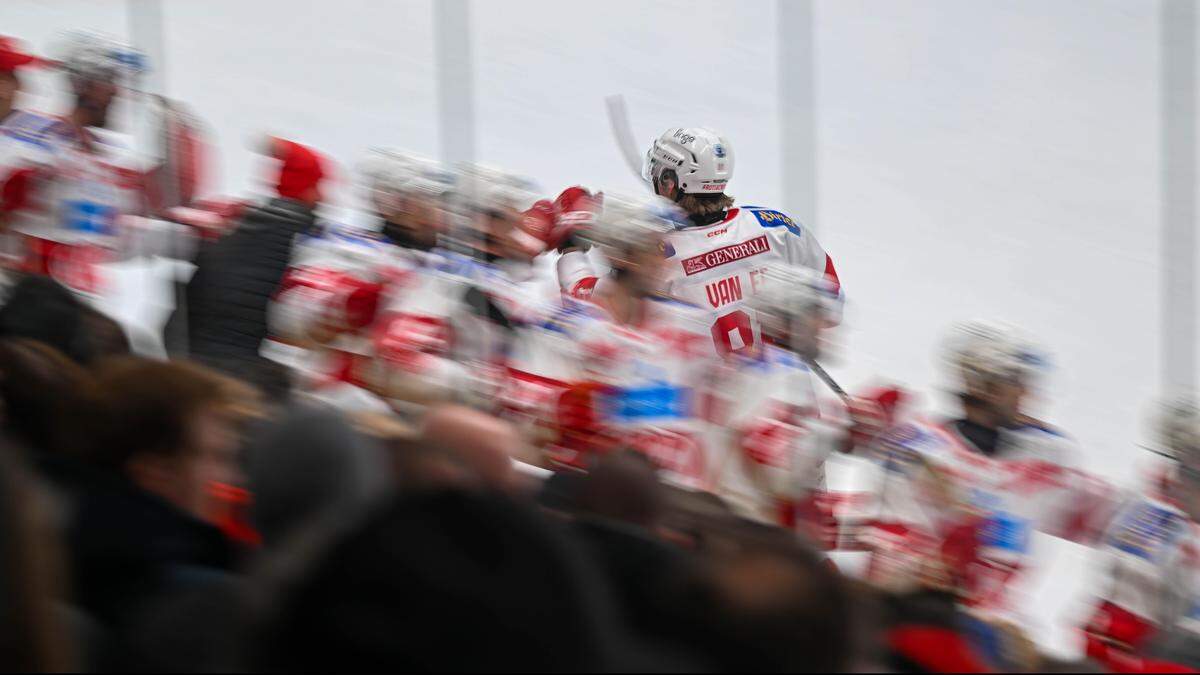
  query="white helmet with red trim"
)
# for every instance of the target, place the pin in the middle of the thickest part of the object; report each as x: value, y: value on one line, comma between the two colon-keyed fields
x: 701, y: 159
x: 488, y: 188
x: 1177, y: 424
x: 627, y: 224
x: 389, y: 175
x: 785, y: 293
x: 87, y: 56
x: 983, y: 352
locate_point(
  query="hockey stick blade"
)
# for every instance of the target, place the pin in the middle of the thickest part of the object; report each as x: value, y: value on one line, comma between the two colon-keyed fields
x: 618, y: 120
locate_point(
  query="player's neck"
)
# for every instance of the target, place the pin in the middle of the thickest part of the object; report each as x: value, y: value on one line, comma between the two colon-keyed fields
x: 622, y: 303
x: 702, y: 219
x: 80, y: 120
x: 981, y: 417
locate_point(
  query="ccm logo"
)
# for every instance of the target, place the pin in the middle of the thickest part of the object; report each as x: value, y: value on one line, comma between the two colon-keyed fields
x: 715, y: 233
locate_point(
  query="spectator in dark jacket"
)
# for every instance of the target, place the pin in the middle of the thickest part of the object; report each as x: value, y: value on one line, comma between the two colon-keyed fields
x: 167, y: 431
x: 39, y: 308
x: 236, y: 277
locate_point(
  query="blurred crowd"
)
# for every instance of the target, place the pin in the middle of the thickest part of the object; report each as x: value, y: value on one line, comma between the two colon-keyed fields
x: 497, y: 430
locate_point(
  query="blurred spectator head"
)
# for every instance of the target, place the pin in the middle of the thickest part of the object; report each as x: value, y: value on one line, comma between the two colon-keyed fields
x: 310, y: 465
x: 46, y: 397
x: 106, y: 336
x: 482, y: 445
x: 772, y: 606
x: 32, y: 638
x: 40, y: 308
x: 301, y: 171
x: 450, y: 581
x: 623, y: 486
x: 171, y: 427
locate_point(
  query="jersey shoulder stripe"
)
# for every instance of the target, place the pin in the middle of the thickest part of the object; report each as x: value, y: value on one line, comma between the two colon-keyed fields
x: 31, y: 128
x: 770, y: 218
x: 1039, y: 427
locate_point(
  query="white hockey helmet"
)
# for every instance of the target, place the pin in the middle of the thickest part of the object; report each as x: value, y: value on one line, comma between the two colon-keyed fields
x: 88, y: 56
x: 701, y: 158
x: 487, y: 188
x: 631, y: 223
x: 786, y: 295
x: 982, y: 352
x: 1176, y: 423
x: 390, y: 175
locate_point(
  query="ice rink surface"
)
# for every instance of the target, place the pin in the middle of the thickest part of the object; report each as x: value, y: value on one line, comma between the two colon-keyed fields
x: 974, y: 159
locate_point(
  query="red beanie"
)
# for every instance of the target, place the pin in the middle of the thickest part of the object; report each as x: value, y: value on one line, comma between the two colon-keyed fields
x: 11, y: 56
x: 301, y: 171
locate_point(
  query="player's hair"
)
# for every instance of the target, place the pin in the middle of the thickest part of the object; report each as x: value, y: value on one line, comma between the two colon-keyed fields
x: 698, y: 204
x: 705, y: 205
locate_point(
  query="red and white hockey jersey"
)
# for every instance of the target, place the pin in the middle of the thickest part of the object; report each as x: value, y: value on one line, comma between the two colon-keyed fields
x: 1151, y: 555
x: 611, y: 386
x: 64, y: 183
x: 65, y: 191
x: 942, y: 500
x: 716, y: 267
x: 400, y: 318
x: 767, y: 414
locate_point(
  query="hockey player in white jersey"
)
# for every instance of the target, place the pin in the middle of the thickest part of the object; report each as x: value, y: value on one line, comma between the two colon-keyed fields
x: 633, y: 367
x: 68, y: 180
x: 716, y: 255
x: 1148, y: 605
x: 715, y: 259
x: 767, y: 409
x: 404, y: 321
x: 961, y: 498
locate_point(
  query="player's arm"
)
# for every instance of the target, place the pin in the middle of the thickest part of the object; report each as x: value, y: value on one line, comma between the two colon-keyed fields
x: 802, y: 248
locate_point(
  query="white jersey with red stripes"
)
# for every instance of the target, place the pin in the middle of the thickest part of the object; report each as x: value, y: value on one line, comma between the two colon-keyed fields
x: 767, y: 413
x: 403, y: 319
x: 943, y: 499
x: 64, y: 183
x: 607, y: 385
x: 65, y: 194
x: 1150, y: 553
x: 718, y: 266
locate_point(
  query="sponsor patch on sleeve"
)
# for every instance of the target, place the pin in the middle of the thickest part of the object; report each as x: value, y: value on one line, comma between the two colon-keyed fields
x: 1146, y: 530
x: 769, y: 218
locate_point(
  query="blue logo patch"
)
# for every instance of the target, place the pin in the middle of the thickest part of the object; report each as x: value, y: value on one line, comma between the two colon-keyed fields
x: 1146, y: 531
x: 1006, y: 532
x: 719, y: 151
x: 656, y: 402
x: 84, y: 216
x: 769, y: 218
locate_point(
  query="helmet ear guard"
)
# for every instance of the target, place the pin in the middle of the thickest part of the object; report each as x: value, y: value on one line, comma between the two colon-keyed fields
x: 701, y: 158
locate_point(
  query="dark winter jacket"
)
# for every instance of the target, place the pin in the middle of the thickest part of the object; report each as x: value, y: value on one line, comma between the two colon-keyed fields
x: 128, y: 547
x: 235, y: 278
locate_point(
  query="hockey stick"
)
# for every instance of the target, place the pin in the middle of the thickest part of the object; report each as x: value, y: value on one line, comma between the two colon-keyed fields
x: 622, y: 130
x: 828, y: 380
